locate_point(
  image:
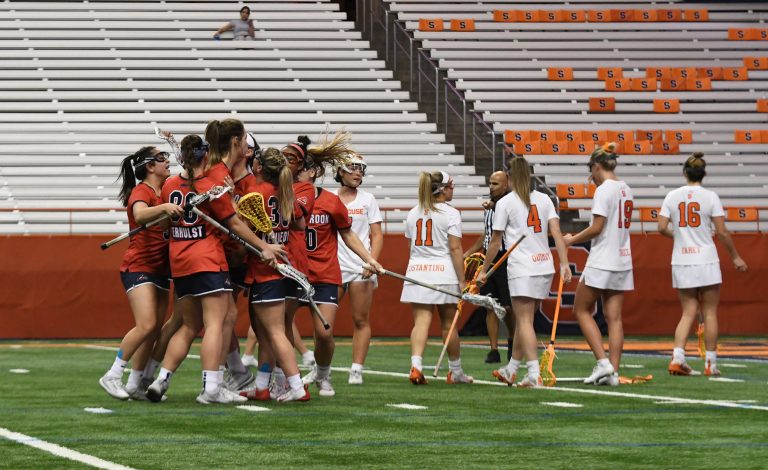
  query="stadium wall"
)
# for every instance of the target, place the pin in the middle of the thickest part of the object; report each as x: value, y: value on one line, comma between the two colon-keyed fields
x: 66, y: 287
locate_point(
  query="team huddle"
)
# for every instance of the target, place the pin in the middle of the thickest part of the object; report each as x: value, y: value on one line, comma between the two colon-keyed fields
x: 239, y: 219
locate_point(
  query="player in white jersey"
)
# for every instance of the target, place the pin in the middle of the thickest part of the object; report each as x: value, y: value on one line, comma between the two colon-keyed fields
x: 366, y: 224
x: 530, y: 268
x: 434, y: 230
x: 608, y: 272
x: 692, y: 210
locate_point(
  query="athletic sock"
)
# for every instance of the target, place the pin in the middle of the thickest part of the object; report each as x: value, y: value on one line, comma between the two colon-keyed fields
x: 308, y: 356
x: 235, y: 363
x: 356, y: 367
x: 533, y: 369
x: 678, y: 355
x: 118, y: 366
x: 295, y: 382
x: 262, y: 376
x: 134, y: 379
x: 711, y: 358
x: 455, y: 367
x: 221, y: 371
x: 211, y: 381
x: 416, y: 362
x: 164, y: 374
x: 323, y: 372
x: 150, y: 368
x: 512, y: 366
x: 604, y: 362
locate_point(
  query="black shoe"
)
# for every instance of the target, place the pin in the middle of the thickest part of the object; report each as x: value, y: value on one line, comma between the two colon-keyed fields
x: 493, y: 357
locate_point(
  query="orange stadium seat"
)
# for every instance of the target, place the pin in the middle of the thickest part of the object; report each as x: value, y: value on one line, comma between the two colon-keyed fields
x: 511, y: 137
x: 607, y: 73
x: 527, y: 148
x: 735, y: 73
x: 695, y: 15
x: 684, y: 72
x: 666, y: 106
x: 621, y: 137
x: 505, y: 16
x: 574, y: 16
x: 602, y: 105
x: 679, y: 136
x: 551, y: 16
x: 554, y: 148
x: 560, y: 73
x: 670, y: 15
x: 756, y: 63
x: 466, y: 25
x: 665, y: 148
x: 712, y: 73
x: 742, y: 214
x: 762, y: 106
x: 529, y: 16
x: 649, y: 214
x: 698, y: 84
x: 659, y: 73
x: 652, y: 135
x: 673, y: 84
x: 638, y: 147
x: 543, y: 136
x: 650, y: 16
x: 599, y: 16
x: 643, y: 84
x: 594, y: 136
x: 622, y: 15
x: 618, y: 84
x: 580, y: 147
x: 568, y: 136
x: 744, y: 34
x: 747, y: 136
x: 435, y: 24
x: 575, y: 191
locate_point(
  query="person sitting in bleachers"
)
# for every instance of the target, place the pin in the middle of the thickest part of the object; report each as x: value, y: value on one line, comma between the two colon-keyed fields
x: 242, y: 28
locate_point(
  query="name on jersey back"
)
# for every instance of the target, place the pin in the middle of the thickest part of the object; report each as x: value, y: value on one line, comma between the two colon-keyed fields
x: 196, y: 232
x: 426, y: 267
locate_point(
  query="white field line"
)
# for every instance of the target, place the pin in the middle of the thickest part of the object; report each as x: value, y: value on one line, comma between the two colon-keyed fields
x: 588, y: 391
x: 60, y: 451
x: 111, y: 348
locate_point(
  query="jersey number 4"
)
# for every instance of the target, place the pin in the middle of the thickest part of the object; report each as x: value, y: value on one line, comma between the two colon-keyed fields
x: 689, y: 214
x: 534, y: 221
x: 423, y: 236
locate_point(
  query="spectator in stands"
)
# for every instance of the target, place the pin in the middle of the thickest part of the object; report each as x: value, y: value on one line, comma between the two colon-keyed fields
x: 242, y: 28
x: 497, y: 285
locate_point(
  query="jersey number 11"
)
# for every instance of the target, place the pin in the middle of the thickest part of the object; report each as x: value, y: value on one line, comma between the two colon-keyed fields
x: 420, y: 233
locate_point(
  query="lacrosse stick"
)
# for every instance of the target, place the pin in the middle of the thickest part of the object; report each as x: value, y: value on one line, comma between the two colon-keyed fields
x: 213, y: 193
x: 168, y: 137
x: 473, y: 266
x: 548, y: 377
x: 700, y: 334
x: 284, y: 269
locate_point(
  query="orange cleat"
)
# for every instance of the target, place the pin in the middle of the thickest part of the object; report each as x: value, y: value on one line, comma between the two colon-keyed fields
x: 680, y: 368
x: 417, y: 377
x: 458, y: 379
x: 711, y: 370
x: 501, y: 376
x: 256, y: 394
x: 528, y: 383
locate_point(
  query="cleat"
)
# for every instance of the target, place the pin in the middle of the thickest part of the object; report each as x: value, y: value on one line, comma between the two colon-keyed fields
x: 114, y: 387
x: 222, y: 396
x: 610, y: 380
x: 145, y: 383
x: 294, y: 395
x: 681, y: 368
x: 156, y: 391
x: 256, y: 395
x: 417, y: 377
x: 240, y: 382
x: 278, y: 386
x: 598, y: 372
x: 325, y: 389
x: 456, y: 379
x: 137, y: 395
x: 250, y: 361
x: 310, y: 377
x: 503, y: 376
x: 493, y: 357
x: 711, y: 370
x: 355, y: 377
x: 529, y: 382
x: 309, y: 360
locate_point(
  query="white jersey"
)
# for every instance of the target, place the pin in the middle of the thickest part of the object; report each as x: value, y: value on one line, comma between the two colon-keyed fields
x: 533, y: 256
x: 611, y: 250
x: 363, y: 211
x: 428, y: 231
x: 690, y: 210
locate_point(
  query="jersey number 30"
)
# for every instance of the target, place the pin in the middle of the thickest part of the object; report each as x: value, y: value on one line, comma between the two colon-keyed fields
x: 421, y: 233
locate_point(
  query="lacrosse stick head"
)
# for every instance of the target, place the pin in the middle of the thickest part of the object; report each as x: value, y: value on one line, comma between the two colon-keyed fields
x: 546, y: 360
x: 251, y: 206
x: 168, y: 137
x: 299, y: 277
x: 702, y: 346
x: 485, y: 301
x: 472, y: 265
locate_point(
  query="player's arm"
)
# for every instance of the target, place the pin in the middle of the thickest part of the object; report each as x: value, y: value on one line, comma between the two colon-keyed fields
x: 664, y: 228
x: 454, y: 246
x: 356, y: 245
x: 725, y: 238
x: 588, y: 233
x: 562, y: 250
x: 493, y: 249
x: 142, y: 213
x: 269, y: 251
x: 377, y: 240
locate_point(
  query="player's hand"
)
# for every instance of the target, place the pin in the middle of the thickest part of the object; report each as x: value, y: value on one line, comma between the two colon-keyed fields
x: 229, y: 182
x: 173, y: 211
x: 565, y: 272
x: 376, y: 268
x: 739, y: 264
x: 271, y: 253
x: 568, y: 239
x: 462, y: 286
x: 481, y: 279
x: 487, y: 204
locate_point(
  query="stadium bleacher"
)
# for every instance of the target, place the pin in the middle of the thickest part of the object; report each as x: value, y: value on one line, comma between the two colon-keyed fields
x: 84, y: 83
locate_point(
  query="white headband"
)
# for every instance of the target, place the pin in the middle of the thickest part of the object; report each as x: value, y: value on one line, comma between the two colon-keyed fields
x: 446, y: 181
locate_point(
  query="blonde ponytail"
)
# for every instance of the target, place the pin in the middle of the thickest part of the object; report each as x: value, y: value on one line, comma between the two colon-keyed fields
x: 520, y: 179
x: 285, y: 196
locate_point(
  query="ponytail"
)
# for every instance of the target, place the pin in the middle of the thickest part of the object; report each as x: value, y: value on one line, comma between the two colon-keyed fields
x: 429, y: 186
x: 285, y: 196
x: 275, y: 170
x: 695, y: 168
x: 220, y: 134
x: 193, y: 151
x: 520, y: 179
x: 604, y: 156
x: 130, y: 173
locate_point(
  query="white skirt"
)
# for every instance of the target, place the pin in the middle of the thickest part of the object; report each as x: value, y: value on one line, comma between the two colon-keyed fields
x: 533, y: 287
x: 610, y: 280
x: 696, y: 275
x: 348, y: 276
x: 414, y: 294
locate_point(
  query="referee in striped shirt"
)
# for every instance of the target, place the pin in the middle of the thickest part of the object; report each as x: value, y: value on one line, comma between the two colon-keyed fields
x: 496, y: 286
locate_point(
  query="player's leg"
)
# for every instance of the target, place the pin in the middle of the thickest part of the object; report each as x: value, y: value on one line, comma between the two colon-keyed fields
x: 422, y: 317
x: 456, y: 373
x: 360, y: 301
x: 525, y: 335
x: 710, y: 298
x: 689, y: 302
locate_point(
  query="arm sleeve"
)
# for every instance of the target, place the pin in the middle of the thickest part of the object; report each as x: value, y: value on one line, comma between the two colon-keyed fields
x: 551, y: 213
x: 500, y: 216
x: 408, y: 232
x: 143, y: 194
x: 222, y: 208
x: 717, y: 206
x: 600, y: 203
x: 374, y: 214
x: 454, y: 223
x: 665, y: 207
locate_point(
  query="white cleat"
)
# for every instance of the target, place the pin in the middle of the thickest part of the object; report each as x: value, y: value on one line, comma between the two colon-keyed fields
x: 294, y: 395
x: 598, y: 373
x: 240, y: 382
x: 325, y: 389
x: 250, y: 361
x: 310, y: 377
x: 137, y: 394
x: 114, y: 387
x: 355, y: 377
x: 530, y: 382
x: 278, y: 387
x: 156, y: 391
x: 308, y: 360
x: 222, y: 396
x: 610, y: 380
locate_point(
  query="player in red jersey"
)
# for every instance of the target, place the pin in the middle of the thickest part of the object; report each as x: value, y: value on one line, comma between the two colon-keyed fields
x: 329, y: 221
x: 200, y: 271
x: 144, y: 270
x: 269, y: 289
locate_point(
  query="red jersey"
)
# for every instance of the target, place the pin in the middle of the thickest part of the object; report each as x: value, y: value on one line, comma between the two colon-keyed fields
x: 257, y: 270
x: 195, y: 245
x: 240, y: 190
x: 217, y: 173
x: 297, y: 248
x: 147, y: 250
x: 328, y: 217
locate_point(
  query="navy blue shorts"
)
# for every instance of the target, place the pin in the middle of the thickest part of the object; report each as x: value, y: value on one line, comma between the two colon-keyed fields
x: 275, y: 290
x: 237, y: 276
x: 497, y: 286
x: 200, y: 284
x: 131, y: 280
x: 324, y: 294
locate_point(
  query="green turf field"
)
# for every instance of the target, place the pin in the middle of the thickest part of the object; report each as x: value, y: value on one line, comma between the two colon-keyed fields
x: 711, y: 425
